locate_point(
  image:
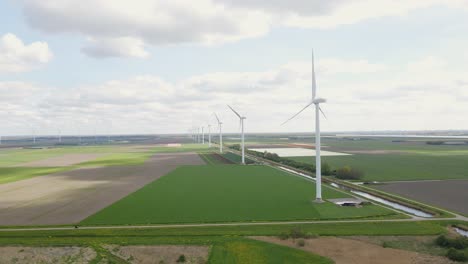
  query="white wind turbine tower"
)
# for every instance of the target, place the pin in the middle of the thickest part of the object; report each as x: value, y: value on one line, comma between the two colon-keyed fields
x: 220, y: 134
x: 203, y: 135
x: 209, y: 135
x: 59, y: 135
x: 316, y: 101
x: 241, y: 120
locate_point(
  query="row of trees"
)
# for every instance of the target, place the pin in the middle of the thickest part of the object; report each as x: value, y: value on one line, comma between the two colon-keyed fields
x: 348, y: 173
x: 274, y: 157
x: 345, y: 173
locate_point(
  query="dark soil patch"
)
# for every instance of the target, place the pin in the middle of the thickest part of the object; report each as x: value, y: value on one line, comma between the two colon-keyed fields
x: 221, y: 159
x: 449, y: 194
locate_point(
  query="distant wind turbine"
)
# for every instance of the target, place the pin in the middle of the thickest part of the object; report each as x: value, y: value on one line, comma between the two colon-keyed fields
x: 34, y: 135
x: 198, y: 136
x: 203, y: 135
x: 209, y: 135
x: 220, y: 134
x: 241, y: 120
x: 316, y: 101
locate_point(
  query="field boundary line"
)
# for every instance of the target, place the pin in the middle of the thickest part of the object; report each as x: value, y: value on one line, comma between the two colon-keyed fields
x: 224, y: 224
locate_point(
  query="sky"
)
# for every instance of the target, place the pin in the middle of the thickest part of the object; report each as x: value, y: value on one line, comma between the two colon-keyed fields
x: 157, y: 66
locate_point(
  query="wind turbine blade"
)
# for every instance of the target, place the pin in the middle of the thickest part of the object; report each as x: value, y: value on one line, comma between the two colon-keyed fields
x: 217, y: 117
x: 320, y: 108
x: 314, y: 84
x: 240, y: 124
x: 297, y: 113
x: 235, y: 111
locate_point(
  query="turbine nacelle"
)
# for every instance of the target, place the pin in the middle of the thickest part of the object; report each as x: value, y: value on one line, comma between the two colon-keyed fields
x: 319, y: 100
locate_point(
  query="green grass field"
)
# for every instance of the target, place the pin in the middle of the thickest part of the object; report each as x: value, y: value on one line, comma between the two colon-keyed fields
x: 401, y: 167
x: 210, y: 159
x: 184, y: 148
x: 231, y: 250
x: 11, y: 159
x: 397, y: 144
x: 402, y: 160
x: 14, y: 157
x: 228, y: 244
x: 227, y: 193
x: 233, y: 157
x: 408, y: 159
x: 11, y: 174
x: 119, y: 159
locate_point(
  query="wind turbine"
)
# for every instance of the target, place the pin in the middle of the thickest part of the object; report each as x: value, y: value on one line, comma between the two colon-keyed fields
x: 34, y: 135
x: 198, y: 136
x: 315, y: 101
x: 59, y: 135
x: 203, y: 135
x: 241, y: 120
x: 220, y: 134
x: 209, y: 135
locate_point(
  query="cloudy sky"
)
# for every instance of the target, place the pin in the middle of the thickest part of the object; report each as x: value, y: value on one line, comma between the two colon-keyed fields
x: 158, y: 66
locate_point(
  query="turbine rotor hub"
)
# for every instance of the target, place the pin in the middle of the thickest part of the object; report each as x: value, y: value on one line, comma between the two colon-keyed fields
x: 319, y: 100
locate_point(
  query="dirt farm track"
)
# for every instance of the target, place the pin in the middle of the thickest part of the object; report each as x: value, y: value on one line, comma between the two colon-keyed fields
x: 69, y: 197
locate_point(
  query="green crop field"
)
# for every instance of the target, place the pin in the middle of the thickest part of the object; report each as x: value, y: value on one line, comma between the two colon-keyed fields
x: 385, y: 160
x: 210, y: 159
x: 228, y: 193
x: 403, y: 166
x: 11, y: 174
x: 184, y: 148
x: 231, y: 250
x: 390, y: 159
x: 119, y: 159
x: 11, y: 160
x: 14, y: 157
x: 11, y: 168
x: 233, y: 157
x: 398, y: 144
x: 228, y: 244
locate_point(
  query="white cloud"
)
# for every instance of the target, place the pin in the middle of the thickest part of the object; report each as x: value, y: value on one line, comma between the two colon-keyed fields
x: 155, y: 22
x: 116, y: 47
x: 402, y: 99
x: 354, y: 11
x: 15, y: 56
x: 15, y: 92
x: 123, y: 28
x: 331, y: 66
